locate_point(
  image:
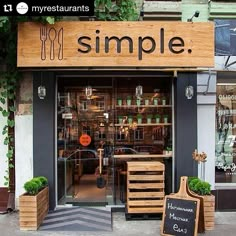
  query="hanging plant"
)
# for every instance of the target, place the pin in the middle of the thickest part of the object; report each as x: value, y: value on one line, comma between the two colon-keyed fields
x: 9, y: 78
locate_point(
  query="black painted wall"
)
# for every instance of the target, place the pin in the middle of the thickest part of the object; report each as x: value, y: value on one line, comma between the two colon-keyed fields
x: 185, y: 127
x: 44, y: 131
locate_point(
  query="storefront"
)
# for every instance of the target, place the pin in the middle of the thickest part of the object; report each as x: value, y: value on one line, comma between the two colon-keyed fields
x: 95, y: 87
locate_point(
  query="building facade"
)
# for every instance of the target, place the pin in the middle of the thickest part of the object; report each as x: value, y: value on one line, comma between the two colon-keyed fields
x: 80, y: 111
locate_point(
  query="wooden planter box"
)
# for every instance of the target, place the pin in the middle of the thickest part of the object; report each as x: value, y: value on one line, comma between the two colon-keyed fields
x: 33, y: 209
x: 209, y: 212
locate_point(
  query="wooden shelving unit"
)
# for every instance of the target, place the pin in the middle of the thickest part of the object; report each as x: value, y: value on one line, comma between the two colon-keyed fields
x: 147, y: 124
x: 145, y: 187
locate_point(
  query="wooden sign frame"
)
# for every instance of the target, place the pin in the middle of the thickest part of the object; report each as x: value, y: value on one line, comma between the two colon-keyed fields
x: 189, y: 206
x: 116, y: 44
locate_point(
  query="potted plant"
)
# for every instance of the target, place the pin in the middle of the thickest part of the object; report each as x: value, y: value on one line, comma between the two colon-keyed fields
x: 157, y: 117
x: 34, y: 203
x: 139, y: 118
x: 155, y: 101
x: 130, y: 119
x: 138, y: 102
x: 149, y: 118
x: 128, y: 100
x: 120, y: 119
x: 119, y: 101
x: 168, y: 150
x: 203, y: 189
x: 163, y: 101
x: 146, y: 101
x: 165, y: 118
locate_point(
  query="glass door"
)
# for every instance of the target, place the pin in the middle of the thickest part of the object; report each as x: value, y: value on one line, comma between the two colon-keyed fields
x: 85, y: 145
x: 104, y: 123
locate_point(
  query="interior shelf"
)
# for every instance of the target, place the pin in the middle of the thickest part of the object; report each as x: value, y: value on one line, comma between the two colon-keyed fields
x: 146, y: 124
x: 135, y: 106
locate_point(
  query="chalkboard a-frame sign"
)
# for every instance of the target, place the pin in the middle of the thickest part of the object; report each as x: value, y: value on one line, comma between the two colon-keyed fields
x: 181, y: 214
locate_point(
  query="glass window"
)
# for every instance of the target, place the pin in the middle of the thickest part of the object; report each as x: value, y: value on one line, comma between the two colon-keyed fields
x: 225, y: 149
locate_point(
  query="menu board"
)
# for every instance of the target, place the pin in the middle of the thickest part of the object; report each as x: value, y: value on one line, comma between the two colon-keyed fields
x: 180, y: 216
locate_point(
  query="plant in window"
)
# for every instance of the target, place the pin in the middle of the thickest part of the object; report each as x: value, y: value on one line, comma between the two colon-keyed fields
x: 163, y: 99
x: 149, y: 118
x: 146, y: 101
x: 139, y: 118
x: 119, y: 101
x: 165, y: 118
x: 157, y: 117
x: 138, y: 102
x: 120, y: 119
x: 130, y: 119
x: 155, y: 101
x: 128, y: 100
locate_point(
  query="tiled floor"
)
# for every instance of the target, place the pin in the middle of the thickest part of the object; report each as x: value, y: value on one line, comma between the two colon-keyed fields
x: 78, y: 219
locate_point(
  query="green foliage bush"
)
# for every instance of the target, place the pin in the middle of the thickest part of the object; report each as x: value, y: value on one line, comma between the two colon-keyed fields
x: 199, y: 186
x: 33, y: 186
x: 203, y: 188
x: 43, y: 180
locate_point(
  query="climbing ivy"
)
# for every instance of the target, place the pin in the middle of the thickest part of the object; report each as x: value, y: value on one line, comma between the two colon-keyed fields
x: 119, y: 10
x: 9, y: 77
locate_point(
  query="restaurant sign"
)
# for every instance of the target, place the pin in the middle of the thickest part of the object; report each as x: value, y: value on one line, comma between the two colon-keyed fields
x: 83, y: 44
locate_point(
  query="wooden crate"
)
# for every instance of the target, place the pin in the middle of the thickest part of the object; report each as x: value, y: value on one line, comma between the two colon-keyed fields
x: 33, y: 209
x: 145, y: 187
x: 209, y: 211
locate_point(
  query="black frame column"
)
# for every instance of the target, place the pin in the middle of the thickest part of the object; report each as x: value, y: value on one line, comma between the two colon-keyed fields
x: 44, y: 131
x: 185, y: 127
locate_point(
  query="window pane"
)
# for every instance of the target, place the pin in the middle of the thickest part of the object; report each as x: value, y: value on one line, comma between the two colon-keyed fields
x: 225, y: 133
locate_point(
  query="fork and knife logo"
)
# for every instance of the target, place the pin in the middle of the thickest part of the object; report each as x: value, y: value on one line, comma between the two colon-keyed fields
x: 51, y: 35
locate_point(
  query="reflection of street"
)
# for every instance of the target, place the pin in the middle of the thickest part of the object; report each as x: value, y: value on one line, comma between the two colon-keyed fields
x: 222, y: 128
x: 225, y: 34
x: 225, y: 139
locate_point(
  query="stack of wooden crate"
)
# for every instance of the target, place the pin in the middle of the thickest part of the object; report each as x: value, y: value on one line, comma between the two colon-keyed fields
x: 145, y: 187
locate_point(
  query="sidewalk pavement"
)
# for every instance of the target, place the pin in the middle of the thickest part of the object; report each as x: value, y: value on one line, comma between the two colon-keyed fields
x: 224, y: 225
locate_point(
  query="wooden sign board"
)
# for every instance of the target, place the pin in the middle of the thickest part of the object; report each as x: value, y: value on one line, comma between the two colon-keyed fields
x: 116, y: 44
x: 179, y: 216
x: 181, y: 213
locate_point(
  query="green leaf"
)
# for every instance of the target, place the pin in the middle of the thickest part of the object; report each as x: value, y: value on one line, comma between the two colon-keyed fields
x: 9, y: 155
x: 11, y: 123
x: 5, y: 113
x: 4, y: 132
x: 11, y: 96
x: 4, y: 94
x: 11, y: 166
x: 2, y: 100
x: 50, y: 20
x: 6, y: 177
x: 6, y: 141
x: 12, y: 108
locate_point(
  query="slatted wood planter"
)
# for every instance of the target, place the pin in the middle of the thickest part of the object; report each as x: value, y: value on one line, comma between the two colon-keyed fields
x: 33, y: 209
x: 145, y: 187
x: 209, y: 211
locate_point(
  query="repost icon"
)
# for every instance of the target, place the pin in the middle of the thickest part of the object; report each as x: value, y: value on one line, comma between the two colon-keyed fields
x: 22, y: 8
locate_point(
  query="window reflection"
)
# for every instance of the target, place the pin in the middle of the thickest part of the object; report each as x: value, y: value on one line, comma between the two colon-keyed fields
x: 225, y: 155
